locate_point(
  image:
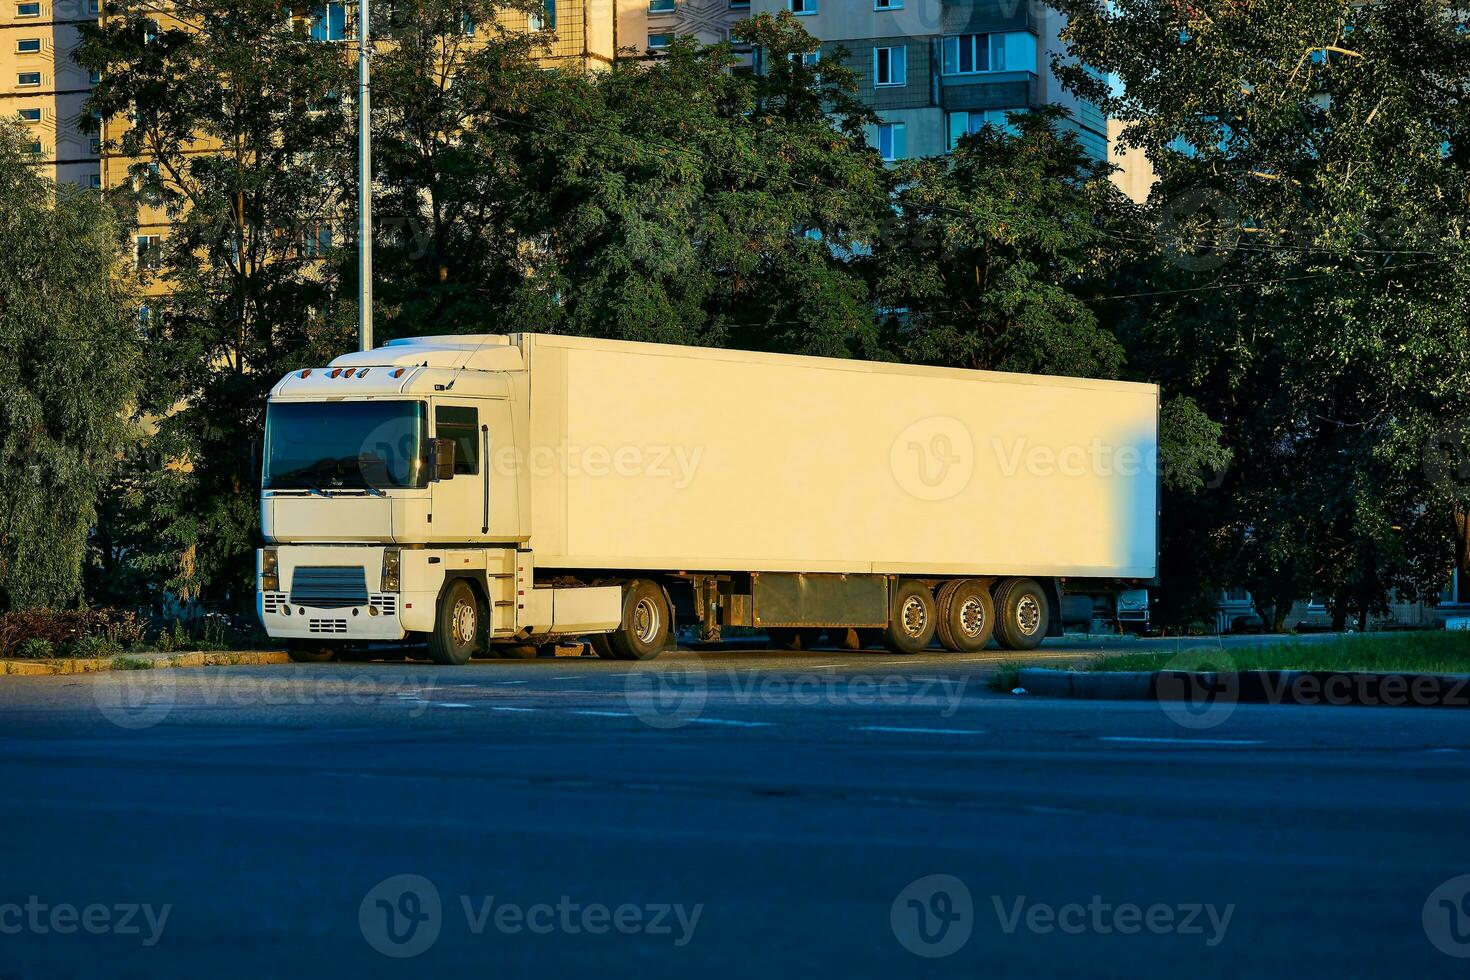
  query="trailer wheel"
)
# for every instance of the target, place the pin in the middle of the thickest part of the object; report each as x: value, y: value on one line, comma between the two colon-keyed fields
x: 966, y: 615
x: 602, y: 646
x: 1022, y: 614
x: 458, y: 625
x: 646, y: 622
x: 912, y: 619
x: 309, y: 652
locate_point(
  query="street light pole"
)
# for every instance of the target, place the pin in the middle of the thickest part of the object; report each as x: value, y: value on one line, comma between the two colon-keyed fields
x: 364, y: 183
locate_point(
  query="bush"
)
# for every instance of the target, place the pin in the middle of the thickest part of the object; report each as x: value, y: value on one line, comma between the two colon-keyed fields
x: 65, y: 629
x: 94, y: 647
x: 35, y: 648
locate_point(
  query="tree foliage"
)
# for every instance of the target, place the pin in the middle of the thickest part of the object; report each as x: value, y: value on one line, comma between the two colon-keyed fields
x: 68, y: 369
x: 1313, y: 186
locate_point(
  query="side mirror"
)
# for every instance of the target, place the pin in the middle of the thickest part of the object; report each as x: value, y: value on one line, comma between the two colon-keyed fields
x: 441, y: 454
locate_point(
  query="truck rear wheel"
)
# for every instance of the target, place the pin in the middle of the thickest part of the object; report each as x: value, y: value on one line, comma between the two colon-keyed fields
x: 966, y: 615
x: 912, y: 618
x: 458, y: 625
x: 646, y: 623
x: 1022, y: 614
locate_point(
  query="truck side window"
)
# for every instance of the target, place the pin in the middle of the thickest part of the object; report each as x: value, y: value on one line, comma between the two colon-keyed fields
x: 463, y: 426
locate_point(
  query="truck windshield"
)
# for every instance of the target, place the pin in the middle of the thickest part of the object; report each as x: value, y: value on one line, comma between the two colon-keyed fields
x: 346, y: 445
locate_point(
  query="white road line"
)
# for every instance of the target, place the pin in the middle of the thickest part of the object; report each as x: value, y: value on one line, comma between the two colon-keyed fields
x: 918, y: 731
x: 508, y: 683
x: 448, y: 704
x: 1181, y: 741
x: 508, y: 708
x: 605, y: 714
x: 731, y: 721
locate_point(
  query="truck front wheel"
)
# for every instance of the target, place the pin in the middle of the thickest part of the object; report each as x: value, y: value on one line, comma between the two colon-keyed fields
x: 966, y: 615
x: 912, y: 619
x: 457, y: 625
x: 645, y: 627
x: 1022, y: 614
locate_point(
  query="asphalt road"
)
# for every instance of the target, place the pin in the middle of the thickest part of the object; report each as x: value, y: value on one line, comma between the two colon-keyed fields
x: 721, y: 813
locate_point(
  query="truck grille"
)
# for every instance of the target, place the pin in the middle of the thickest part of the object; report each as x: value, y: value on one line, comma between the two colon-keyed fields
x: 327, y: 625
x: 274, y: 601
x: 385, y: 603
x: 323, y: 587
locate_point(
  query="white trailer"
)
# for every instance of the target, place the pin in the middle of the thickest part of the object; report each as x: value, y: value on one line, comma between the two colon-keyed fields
x: 509, y: 490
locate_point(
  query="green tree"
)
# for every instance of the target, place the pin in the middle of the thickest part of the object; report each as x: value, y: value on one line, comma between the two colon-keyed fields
x: 993, y: 247
x: 239, y: 140
x: 1312, y: 162
x: 68, y: 371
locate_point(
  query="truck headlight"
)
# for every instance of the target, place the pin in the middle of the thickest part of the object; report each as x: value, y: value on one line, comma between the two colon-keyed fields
x: 270, y: 573
x: 392, y: 558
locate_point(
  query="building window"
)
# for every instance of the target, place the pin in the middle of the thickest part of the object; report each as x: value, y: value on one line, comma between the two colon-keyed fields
x: 94, y: 8
x: 887, y: 4
x: 739, y: 4
x: 94, y: 78
x: 30, y: 115
x: 27, y: 10
x: 96, y: 147
x: 545, y: 19
x: 658, y: 42
x: 148, y: 252
x: 660, y: 6
x: 803, y: 7
x: 329, y: 22
x: 94, y: 181
x: 467, y: 24
x: 892, y: 142
x: 150, y: 31
x: 34, y: 149
x: 28, y: 45
x: 962, y: 123
x: 968, y: 54
x: 890, y: 66
x: 462, y: 425
x: 28, y: 79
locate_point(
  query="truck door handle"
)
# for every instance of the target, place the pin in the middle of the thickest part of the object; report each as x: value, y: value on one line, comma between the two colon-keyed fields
x: 485, y: 474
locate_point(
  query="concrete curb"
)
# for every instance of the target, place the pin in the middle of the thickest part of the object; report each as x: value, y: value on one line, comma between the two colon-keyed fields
x: 1295, y: 687
x: 142, y: 661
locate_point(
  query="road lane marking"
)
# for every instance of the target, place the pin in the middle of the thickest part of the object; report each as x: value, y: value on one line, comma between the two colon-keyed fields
x: 605, y: 714
x: 506, y: 683
x: 918, y: 731
x: 1181, y: 741
x: 448, y: 704
x: 731, y: 721
x: 508, y: 708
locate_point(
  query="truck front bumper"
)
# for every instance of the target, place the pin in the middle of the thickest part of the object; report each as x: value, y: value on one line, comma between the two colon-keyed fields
x: 378, y: 619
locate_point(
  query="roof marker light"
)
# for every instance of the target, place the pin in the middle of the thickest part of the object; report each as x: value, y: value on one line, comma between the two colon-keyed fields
x: 362, y: 373
x: 335, y: 372
x: 398, y: 373
x: 306, y: 373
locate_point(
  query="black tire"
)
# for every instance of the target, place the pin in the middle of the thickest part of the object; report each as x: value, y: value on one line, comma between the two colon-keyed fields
x: 309, y: 652
x: 459, y: 625
x: 1022, y: 614
x: 602, y: 646
x: 966, y: 615
x: 644, y: 630
x: 913, y: 617
x: 845, y: 637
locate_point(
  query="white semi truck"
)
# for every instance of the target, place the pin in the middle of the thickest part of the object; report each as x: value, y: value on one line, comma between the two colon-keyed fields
x: 503, y: 492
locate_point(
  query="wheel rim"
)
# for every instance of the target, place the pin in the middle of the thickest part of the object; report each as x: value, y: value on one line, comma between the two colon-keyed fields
x: 972, y: 617
x: 914, y: 616
x: 464, y: 622
x: 645, y: 620
x: 1028, y: 614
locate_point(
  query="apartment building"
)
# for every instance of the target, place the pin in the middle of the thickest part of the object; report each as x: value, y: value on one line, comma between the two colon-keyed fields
x: 932, y: 69
x: 41, y: 84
